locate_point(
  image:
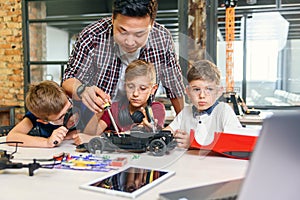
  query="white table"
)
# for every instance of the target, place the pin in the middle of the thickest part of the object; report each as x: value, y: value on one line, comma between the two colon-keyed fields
x: 255, y: 119
x: 48, y: 184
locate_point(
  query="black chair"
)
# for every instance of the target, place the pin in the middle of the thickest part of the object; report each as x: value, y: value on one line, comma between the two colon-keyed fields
x: 4, y: 130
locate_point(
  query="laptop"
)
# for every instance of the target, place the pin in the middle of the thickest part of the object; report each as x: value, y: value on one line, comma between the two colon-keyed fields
x: 274, y: 170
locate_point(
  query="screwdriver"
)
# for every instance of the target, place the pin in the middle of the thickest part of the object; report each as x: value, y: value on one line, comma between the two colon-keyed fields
x: 107, y: 107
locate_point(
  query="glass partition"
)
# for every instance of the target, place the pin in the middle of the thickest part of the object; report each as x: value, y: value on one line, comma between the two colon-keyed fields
x: 266, y: 68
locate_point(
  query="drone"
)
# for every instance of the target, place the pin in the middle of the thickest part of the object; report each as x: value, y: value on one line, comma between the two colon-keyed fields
x: 6, y: 163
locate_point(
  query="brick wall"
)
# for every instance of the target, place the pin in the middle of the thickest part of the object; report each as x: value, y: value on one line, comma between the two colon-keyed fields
x: 37, y: 35
x: 11, y: 58
x: 11, y: 54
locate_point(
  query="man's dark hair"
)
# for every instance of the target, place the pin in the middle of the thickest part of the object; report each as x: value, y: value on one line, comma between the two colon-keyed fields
x: 135, y: 8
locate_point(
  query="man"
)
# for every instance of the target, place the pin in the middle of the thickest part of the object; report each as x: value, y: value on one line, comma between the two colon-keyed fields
x: 95, y: 71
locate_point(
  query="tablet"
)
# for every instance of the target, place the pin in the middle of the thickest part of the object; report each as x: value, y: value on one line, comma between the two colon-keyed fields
x: 129, y: 182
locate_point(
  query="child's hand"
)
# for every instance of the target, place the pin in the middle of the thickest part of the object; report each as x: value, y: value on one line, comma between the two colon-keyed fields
x: 148, y: 124
x: 145, y: 121
x: 77, y: 139
x: 81, y: 138
x: 58, y: 135
x: 182, y: 139
x: 70, y: 134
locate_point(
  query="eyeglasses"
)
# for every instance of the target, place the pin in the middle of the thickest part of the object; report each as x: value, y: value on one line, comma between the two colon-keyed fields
x: 199, y: 90
x: 69, y: 120
x: 60, y: 121
x: 141, y: 89
x: 72, y: 118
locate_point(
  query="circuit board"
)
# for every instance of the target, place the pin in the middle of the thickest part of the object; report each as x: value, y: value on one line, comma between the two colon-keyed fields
x: 90, y: 162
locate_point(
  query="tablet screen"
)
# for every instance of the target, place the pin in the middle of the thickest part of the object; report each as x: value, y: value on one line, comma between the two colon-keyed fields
x: 129, y: 182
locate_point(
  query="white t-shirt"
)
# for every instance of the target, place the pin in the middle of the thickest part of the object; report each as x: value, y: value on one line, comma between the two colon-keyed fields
x: 126, y: 58
x: 221, y: 117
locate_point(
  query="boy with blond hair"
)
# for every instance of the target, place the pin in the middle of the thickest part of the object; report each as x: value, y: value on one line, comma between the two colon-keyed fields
x: 206, y: 115
x: 139, y: 89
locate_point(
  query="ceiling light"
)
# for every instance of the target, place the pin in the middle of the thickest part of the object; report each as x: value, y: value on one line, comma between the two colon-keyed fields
x: 251, y: 1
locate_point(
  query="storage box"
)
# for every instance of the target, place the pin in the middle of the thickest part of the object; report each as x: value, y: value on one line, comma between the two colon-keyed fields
x: 231, y: 145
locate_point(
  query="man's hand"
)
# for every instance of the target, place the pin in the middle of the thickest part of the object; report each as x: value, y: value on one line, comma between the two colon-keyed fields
x: 95, y: 98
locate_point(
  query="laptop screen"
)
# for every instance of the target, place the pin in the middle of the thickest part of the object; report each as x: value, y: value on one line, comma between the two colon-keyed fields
x: 274, y: 170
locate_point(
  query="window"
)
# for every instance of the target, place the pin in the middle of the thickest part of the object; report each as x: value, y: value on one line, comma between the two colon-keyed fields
x: 266, y: 71
x: 51, y: 28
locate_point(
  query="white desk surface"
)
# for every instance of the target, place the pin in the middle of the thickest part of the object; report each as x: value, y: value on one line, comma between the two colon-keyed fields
x: 47, y: 184
x: 255, y: 119
x: 244, y: 119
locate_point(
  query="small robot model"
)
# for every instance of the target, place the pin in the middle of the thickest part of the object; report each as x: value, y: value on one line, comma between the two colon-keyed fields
x: 158, y: 143
x: 138, y: 139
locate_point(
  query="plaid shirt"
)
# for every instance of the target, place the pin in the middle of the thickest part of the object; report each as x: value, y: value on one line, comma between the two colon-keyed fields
x: 94, y: 59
